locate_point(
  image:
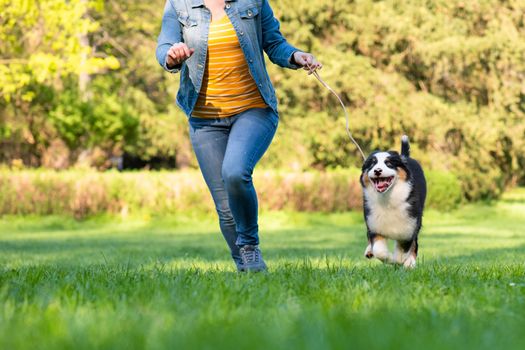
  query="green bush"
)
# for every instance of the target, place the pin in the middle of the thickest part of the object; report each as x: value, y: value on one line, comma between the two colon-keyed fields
x: 444, y: 190
x: 448, y: 74
x: 81, y: 193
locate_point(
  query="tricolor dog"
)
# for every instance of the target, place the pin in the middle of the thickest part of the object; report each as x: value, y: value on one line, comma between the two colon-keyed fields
x: 394, y: 191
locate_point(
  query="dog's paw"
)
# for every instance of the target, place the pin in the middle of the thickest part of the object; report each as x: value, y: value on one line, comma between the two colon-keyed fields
x: 368, y: 252
x: 410, y: 262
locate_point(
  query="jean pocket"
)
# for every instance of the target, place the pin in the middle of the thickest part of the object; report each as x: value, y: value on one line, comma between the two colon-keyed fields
x: 274, y: 116
x: 198, y: 123
x: 185, y: 20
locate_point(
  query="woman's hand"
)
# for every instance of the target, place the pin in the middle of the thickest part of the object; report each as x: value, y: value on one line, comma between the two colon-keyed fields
x: 177, y: 54
x: 307, y: 61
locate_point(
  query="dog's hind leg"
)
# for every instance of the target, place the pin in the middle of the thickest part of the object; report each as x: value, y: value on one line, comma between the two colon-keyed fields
x: 410, y: 261
x: 399, y: 253
x: 406, y: 253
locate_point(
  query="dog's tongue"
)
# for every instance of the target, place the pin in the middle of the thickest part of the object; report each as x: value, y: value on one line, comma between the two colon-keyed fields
x: 381, y: 186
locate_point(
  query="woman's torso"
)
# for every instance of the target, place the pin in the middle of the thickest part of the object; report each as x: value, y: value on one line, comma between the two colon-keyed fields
x: 227, y: 88
x: 195, y: 20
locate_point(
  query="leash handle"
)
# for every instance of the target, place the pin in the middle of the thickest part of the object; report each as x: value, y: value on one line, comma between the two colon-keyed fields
x: 318, y: 77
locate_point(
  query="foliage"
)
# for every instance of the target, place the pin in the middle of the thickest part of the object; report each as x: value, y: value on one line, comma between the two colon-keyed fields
x: 444, y: 190
x: 39, y: 47
x: 84, y: 193
x: 168, y: 282
x: 102, y: 119
x: 40, y: 54
x: 450, y: 74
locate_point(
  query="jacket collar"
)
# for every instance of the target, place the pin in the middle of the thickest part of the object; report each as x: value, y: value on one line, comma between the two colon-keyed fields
x: 199, y: 3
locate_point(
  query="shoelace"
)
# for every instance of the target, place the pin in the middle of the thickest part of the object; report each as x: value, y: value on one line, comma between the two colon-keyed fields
x: 251, y: 255
x: 318, y: 77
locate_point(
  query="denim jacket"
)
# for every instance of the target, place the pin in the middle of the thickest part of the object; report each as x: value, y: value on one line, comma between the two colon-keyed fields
x: 257, y: 29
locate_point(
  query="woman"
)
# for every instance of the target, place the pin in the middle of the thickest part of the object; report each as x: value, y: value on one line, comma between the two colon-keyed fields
x: 217, y: 46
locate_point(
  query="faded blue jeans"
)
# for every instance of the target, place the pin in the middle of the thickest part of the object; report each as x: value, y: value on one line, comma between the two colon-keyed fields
x: 227, y: 150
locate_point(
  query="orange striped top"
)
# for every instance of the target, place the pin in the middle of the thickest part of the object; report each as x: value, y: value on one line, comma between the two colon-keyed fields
x: 227, y: 86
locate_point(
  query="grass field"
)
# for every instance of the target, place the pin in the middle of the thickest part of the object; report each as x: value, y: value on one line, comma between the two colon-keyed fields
x: 167, y: 283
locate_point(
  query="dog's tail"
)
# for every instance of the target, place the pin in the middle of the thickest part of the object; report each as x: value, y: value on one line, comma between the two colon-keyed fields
x: 405, y: 146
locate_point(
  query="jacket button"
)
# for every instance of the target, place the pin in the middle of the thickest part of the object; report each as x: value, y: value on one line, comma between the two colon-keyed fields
x: 228, y: 6
x: 200, y: 66
x: 242, y: 33
x: 251, y: 61
x: 250, y: 13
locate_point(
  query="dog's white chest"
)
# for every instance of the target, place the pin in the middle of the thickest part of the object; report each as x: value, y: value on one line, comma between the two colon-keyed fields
x: 388, y: 214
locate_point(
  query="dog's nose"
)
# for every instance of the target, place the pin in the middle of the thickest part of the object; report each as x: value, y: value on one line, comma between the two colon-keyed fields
x: 378, y: 172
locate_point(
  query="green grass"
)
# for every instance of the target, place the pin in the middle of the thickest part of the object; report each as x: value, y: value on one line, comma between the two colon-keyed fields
x: 167, y: 283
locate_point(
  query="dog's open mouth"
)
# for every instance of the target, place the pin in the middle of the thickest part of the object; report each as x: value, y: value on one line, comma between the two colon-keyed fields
x: 381, y: 184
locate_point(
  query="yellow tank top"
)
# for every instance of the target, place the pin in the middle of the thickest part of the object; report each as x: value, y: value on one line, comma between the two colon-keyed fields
x: 227, y: 86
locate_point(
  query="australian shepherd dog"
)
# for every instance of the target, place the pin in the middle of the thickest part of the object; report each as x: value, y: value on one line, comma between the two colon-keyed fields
x: 394, y: 191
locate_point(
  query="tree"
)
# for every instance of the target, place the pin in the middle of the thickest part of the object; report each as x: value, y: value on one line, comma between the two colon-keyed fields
x: 43, y: 51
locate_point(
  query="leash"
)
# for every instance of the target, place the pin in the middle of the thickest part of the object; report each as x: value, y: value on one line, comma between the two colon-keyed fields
x: 318, y: 77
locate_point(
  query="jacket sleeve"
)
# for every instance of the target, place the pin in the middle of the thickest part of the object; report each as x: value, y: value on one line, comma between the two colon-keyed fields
x: 274, y: 44
x: 170, y: 33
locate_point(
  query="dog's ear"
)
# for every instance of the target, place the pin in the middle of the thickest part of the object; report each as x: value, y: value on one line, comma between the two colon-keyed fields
x: 402, y: 166
x: 366, y: 165
x: 403, y: 173
x: 364, y: 179
x: 369, y: 162
x: 399, y: 162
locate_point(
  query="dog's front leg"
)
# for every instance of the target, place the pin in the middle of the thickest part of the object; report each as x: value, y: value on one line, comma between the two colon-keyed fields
x: 370, y: 236
x: 380, y: 249
x: 368, y: 250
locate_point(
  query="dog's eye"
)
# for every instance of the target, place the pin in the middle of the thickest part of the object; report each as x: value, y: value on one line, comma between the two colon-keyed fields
x: 388, y: 163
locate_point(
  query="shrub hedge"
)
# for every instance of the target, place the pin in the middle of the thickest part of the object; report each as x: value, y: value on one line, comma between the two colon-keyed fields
x: 86, y: 193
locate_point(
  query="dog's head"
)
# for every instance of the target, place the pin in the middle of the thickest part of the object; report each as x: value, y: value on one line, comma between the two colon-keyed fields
x: 382, y: 170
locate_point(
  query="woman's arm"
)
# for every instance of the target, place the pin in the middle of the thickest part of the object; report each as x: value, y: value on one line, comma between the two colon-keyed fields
x: 277, y: 48
x: 274, y: 44
x: 171, y: 51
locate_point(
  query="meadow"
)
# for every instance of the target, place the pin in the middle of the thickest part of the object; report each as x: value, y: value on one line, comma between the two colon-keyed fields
x: 166, y: 282
x: 90, y: 259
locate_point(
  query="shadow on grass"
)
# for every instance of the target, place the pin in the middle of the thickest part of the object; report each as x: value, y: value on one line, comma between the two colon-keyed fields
x: 486, y: 256
x: 139, y: 246
x: 293, y: 237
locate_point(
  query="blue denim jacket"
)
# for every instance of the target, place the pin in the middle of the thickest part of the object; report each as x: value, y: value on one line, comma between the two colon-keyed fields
x: 257, y: 29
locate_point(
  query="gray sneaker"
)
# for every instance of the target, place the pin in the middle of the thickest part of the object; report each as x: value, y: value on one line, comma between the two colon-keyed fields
x: 252, y: 259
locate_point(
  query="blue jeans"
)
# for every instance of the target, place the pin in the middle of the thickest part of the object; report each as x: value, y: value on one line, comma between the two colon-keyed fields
x: 227, y: 150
